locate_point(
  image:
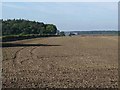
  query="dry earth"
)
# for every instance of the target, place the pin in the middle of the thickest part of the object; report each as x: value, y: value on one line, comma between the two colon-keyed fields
x: 61, y: 62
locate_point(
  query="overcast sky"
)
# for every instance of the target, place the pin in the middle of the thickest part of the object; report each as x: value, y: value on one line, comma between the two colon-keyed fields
x: 66, y: 16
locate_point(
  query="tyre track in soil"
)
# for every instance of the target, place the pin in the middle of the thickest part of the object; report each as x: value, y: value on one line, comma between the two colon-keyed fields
x: 5, y: 55
x: 16, y: 58
x: 47, y: 65
x: 31, y: 55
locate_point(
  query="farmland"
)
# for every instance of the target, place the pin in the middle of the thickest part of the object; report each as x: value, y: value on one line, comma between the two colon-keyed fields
x: 69, y: 62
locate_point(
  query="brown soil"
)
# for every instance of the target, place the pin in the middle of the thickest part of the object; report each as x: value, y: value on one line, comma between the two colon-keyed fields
x: 61, y: 62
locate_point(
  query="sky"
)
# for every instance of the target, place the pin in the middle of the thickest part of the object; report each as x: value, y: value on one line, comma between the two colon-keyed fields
x: 67, y: 16
x: 59, y: 0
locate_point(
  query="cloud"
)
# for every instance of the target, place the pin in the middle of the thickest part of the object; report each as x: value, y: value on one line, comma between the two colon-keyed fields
x: 66, y: 15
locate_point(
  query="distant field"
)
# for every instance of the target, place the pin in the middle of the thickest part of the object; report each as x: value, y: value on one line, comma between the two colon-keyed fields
x: 69, y: 62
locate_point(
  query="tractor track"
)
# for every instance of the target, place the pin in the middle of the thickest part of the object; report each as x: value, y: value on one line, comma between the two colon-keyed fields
x: 32, y: 54
x: 5, y: 54
x: 15, y: 56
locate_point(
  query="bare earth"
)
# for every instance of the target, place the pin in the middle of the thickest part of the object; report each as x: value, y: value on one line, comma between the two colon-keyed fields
x: 62, y: 62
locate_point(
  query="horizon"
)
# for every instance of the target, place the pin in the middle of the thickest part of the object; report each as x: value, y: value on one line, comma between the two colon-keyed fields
x: 94, y: 30
x: 66, y: 16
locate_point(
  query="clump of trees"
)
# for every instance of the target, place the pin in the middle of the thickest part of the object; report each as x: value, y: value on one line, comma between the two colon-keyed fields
x: 62, y: 33
x: 24, y: 27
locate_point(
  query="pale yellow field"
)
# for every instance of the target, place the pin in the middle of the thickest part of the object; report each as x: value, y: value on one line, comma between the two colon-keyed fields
x: 88, y: 61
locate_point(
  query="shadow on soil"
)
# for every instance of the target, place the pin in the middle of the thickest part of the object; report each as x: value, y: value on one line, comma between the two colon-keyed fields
x: 24, y: 45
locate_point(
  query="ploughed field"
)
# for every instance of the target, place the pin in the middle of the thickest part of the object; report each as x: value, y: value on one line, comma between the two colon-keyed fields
x: 61, y: 62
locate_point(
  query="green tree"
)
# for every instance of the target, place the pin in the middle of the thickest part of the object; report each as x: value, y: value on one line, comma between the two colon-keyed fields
x: 21, y: 26
x: 51, y: 29
x: 62, y: 33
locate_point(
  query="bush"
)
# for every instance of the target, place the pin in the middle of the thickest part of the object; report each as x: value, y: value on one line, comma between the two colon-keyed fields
x: 22, y: 37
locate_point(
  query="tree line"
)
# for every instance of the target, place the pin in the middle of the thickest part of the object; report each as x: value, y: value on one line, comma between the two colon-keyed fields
x: 24, y: 27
